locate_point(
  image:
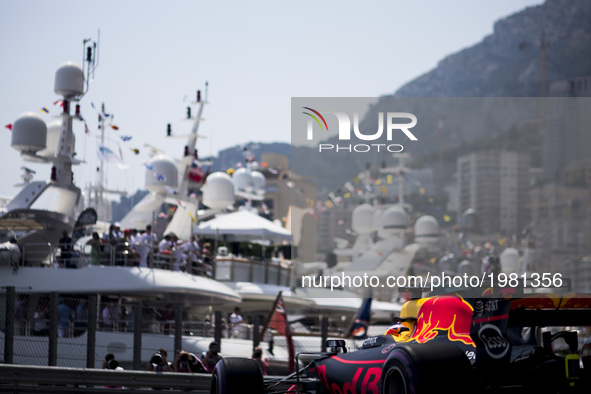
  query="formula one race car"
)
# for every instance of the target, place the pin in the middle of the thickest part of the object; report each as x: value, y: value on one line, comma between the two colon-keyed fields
x: 447, y: 343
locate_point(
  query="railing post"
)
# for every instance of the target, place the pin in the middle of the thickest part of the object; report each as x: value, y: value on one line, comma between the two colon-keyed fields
x: 178, y: 327
x: 9, y: 325
x: 137, y: 335
x: 323, y: 333
x: 91, y: 331
x: 256, y: 328
x: 266, y: 274
x: 53, y: 321
x: 217, y: 332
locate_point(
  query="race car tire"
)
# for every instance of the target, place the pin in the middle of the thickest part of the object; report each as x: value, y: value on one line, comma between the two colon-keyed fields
x: 237, y: 375
x: 426, y: 368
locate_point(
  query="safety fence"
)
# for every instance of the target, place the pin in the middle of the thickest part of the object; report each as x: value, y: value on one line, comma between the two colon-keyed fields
x: 79, y: 331
x: 28, y: 379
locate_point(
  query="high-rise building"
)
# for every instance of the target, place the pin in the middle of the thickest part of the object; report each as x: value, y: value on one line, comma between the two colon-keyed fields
x: 561, y: 213
x: 494, y: 184
x: 567, y: 137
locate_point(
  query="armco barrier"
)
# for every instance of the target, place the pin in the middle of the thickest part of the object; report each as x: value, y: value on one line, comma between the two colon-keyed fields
x: 33, y: 379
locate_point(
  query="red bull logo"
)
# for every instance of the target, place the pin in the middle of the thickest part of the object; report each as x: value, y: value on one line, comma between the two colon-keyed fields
x: 364, y: 381
x: 445, y: 313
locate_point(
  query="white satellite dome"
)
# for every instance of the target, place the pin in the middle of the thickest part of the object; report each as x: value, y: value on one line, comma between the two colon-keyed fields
x: 243, y: 180
x: 69, y: 80
x: 218, y: 190
x: 469, y: 220
x: 362, y: 219
x: 426, y: 226
x: 161, y: 172
x: 377, y: 218
x: 259, y: 182
x: 393, y: 222
x: 447, y: 263
x: 467, y: 267
x: 29, y: 133
x: 53, y: 135
x: 509, y: 261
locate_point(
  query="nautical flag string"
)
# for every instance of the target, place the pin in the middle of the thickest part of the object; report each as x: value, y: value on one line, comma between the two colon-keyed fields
x: 107, y: 154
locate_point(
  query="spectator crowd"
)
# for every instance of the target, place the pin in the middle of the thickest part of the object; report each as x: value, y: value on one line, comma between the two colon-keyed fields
x: 131, y: 247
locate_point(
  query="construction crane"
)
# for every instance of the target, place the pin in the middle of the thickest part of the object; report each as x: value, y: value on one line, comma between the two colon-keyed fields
x: 543, y: 44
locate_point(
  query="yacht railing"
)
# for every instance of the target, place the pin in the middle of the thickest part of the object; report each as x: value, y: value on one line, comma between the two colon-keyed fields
x: 241, y: 269
x: 226, y: 268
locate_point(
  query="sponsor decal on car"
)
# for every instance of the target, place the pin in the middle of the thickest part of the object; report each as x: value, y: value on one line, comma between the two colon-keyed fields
x: 495, y: 344
x: 366, y: 377
x: 448, y: 313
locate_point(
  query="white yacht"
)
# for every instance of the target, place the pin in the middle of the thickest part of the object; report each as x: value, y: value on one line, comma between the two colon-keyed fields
x: 30, y: 260
x: 386, y: 244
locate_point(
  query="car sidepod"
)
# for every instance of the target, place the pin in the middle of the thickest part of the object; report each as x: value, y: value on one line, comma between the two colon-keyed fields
x: 356, y: 372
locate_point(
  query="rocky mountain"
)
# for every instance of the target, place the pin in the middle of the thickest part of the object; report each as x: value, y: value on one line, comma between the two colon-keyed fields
x: 228, y: 158
x: 508, y: 62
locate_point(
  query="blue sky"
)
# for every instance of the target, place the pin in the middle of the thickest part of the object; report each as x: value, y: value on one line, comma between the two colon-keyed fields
x: 255, y: 55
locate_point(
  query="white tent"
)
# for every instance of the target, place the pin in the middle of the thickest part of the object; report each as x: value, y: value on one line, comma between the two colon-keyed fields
x: 242, y: 226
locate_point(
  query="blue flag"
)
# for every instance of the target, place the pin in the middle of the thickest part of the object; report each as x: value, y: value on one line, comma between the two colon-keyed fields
x: 359, y: 328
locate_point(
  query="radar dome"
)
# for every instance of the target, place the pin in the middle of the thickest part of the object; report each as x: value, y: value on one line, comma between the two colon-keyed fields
x: 161, y: 172
x: 509, y: 261
x: 362, y: 219
x: 393, y: 222
x: 259, y: 182
x: 29, y: 133
x: 218, y: 190
x: 53, y: 135
x: 469, y: 221
x: 466, y: 267
x: 426, y: 226
x: 69, y: 80
x: 243, y: 180
x: 447, y: 263
x: 377, y: 218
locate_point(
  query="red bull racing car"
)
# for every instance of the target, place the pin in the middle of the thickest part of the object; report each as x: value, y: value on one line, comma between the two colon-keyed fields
x: 447, y: 343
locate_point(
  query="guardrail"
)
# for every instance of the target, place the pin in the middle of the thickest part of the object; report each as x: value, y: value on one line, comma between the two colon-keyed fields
x: 20, y: 379
x: 222, y: 268
x: 241, y: 269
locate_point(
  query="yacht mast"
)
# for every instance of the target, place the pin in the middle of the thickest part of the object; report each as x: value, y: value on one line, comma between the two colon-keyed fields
x: 190, y: 153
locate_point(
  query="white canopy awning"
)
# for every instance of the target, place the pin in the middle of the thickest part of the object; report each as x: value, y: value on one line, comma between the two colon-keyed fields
x: 242, y: 226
